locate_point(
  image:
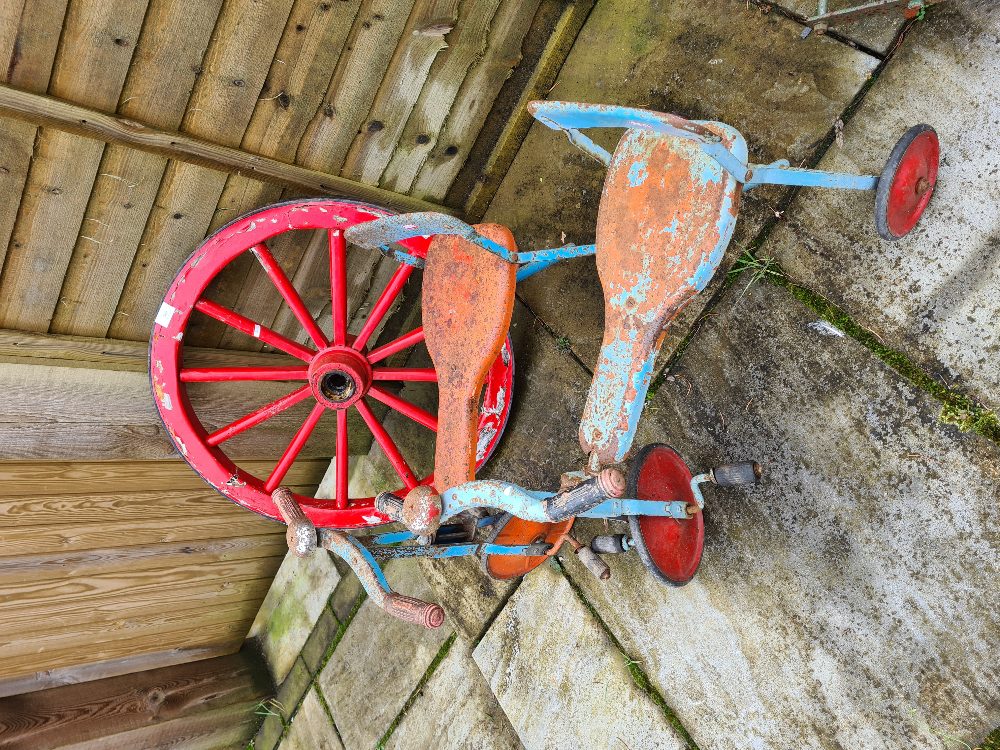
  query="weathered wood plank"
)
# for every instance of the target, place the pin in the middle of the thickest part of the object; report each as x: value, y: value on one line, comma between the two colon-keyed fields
x: 76, y: 510
x: 26, y: 347
x: 101, y: 126
x: 230, y: 634
x: 162, y: 73
x: 548, y: 43
x: 164, y: 657
x: 293, y: 92
x: 55, y: 413
x: 352, y: 90
x: 220, y: 108
x: 466, y: 46
x: 90, y: 67
x: 29, y: 35
x: 229, y: 728
x: 422, y: 40
x: 106, y: 597
x: 71, y: 565
x: 224, y: 519
x: 81, y: 477
x: 217, y: 691
x: 475, y: 98
x: 42, y: 642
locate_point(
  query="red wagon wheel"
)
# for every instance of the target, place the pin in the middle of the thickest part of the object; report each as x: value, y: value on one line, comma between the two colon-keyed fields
x: 907, y: 182
x: 334, y: 374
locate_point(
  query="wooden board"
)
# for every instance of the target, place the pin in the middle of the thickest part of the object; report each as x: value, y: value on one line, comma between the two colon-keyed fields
x: 171, y: 706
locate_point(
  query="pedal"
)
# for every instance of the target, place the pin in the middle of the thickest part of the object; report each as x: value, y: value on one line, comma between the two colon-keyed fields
x: 737, y: 475
x: 468, y: 299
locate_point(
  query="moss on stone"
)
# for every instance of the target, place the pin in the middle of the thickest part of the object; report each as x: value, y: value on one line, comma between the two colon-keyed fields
x: 639, y: 677
x: 435, y: 662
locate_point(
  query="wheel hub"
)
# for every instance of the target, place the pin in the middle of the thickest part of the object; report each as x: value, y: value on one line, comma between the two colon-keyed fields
x: 339, y: 376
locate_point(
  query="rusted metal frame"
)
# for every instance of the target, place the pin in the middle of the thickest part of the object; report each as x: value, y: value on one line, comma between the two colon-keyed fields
x: 823, y: 17
x: 396, y: 537
x: 779, y: 173
x: 443, y: 551
x: 373, y: 580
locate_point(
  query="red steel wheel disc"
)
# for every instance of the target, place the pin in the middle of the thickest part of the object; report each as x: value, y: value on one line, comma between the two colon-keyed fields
x: 329, y: 373
x: 907, y: 183
x: 513, y: 531
x: 670, y: 547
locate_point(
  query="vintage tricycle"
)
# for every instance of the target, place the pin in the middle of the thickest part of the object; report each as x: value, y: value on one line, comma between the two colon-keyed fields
x: 666, y: 216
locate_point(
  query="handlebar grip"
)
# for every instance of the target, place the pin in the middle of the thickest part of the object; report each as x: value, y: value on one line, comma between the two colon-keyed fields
x: 415, y: 611
x: 389, y: 505
x: 735, y: 475
x: 301, y: 533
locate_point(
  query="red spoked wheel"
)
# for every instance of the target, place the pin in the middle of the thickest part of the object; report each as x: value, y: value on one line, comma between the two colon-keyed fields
x: 670, y: 547
x: 907, y: 183
x: 334, y: 373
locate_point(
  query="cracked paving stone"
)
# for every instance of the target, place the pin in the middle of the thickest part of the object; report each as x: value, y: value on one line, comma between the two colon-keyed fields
x: 455, y: 710
x: 715, y: 61
x: 850, y: 600
x: 311, y: 728
x: 559, y: 678
x: 291, y: 609
x: 935, y: 294
x: 378, y: 663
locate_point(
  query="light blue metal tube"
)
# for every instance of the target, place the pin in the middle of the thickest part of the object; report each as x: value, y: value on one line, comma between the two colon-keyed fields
x: 776, y: 175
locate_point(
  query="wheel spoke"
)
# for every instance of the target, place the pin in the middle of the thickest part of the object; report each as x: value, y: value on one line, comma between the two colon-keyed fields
x: 294, y: 448
x: 341, y: 460
x: 381, y: 307
x: 414, y: 412
x: 224, y: 374
x: 406, y: 374
x: 252, y: 328
x: 256, y: 417
x: 388, y: 447
x: 397, y: 345
x: 338, y: 285
x: 277, y: 275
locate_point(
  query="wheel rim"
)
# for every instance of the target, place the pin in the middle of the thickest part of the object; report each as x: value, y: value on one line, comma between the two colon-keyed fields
x: 914, y: 164
x: 670, y: 547
x: 514, y: 531
x: 335, y: 373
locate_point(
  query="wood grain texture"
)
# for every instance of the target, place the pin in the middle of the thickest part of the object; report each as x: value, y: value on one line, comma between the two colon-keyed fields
x: 466, y: 47
x: 422, y: 40
x: 23, y: 347
x: 91, y: 63
x: 160, y: 78
x: 475, y: 98
x: 221, y: 105
x: 300, y: 73
x: 29, y: 35
x: 374, y: 36
x: 82, y: 477
x: 55, y: 413
x: 167, y: 707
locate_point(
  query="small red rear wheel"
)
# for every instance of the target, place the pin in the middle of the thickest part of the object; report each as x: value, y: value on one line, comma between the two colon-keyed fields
x: 513, y: 531
x: 670, y: 547
x: 907, y: 183
x: 330, y: 369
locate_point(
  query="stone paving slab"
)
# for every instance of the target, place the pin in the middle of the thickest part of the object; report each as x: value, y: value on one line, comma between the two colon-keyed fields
x: 291, y: 608
x: 378, y: 663
x: 310, y: 728
x: 455, y: 710
x: 560, y: 679
x: 936, y: 293
x: 848, y: 602
x: 691, y: 58
x: 874, y: 32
